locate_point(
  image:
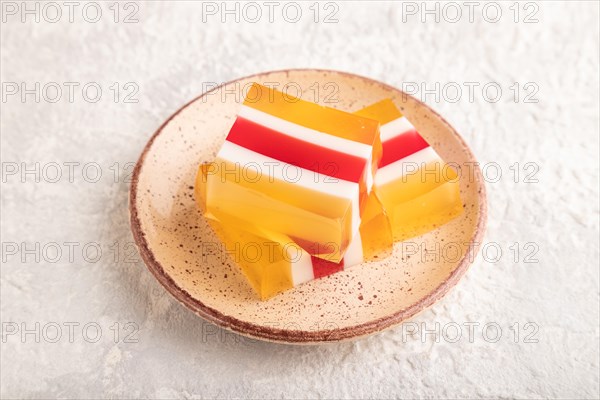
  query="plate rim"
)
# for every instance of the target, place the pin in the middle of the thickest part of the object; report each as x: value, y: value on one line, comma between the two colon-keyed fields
x: 301, y: 336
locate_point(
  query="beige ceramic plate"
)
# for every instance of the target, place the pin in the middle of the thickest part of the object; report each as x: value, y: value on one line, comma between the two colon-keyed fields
x: 181, y: 251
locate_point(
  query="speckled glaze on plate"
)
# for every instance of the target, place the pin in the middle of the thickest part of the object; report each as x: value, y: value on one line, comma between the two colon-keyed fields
x: 182, y: 252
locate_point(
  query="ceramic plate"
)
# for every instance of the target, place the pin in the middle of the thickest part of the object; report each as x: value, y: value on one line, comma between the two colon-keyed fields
x: 179, y: 248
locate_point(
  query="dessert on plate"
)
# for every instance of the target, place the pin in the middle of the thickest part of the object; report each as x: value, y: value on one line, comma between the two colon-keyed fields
x: 300, y: 191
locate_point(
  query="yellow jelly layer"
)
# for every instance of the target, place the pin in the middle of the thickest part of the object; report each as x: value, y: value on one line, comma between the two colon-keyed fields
x: 313, y: 116
x: 263, y: 262
x: 322, y: 226
x: 384, y: 111
x: 426, y: 212
x: 421, y: 201
x: 375, y: 230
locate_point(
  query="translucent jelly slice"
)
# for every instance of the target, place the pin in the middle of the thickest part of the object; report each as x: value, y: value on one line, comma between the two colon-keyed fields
x: 418, y: 190
x: 291, y: 168
x: 272, y: 266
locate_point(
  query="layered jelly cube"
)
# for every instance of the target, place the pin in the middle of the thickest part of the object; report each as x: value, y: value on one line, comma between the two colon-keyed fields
x: 418, y: 190
x: 293, y: 168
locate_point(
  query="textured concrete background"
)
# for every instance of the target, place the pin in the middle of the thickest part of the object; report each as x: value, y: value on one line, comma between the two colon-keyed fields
x: 79, y: 324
